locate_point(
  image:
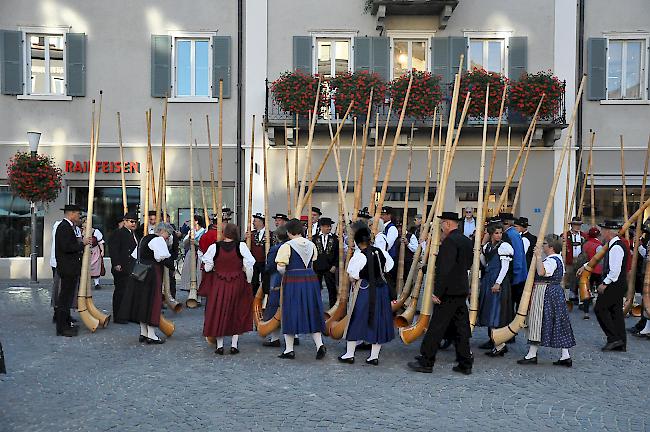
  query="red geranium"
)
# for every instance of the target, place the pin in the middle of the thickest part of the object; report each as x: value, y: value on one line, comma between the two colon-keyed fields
x: 424, y: 97
x: 295, y: 92
x: 475, y: 82
x: 524, y: 94
x: 356, y: 87
x: 35, y: 179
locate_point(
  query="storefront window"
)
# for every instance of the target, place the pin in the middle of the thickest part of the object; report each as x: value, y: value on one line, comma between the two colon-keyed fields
x: 609, y: 202
x: 15, y: 226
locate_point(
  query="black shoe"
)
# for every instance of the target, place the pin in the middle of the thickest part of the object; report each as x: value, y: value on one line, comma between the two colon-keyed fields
x: 320, y: 354
x: 566, y: 362
x: 54, y: 318
x: 585, y: 316
x: 418, y: 367
x: 365, y: 346
x: 525, y: 361
x: 641, y: 335
x: 419, y: 357
x: 373, y: 362
x: 158, y: 341
x: 142, y: 339
x: 349, y: 360
x: 296, y: 342
x: 614, y: 346
x: 274, y: 344
x: 219, y: 351
x: 290, y: 355
x: 487, y: 345
x: 463, y: 370
x: 444, y: 344
x: 68, y: 332
x: 234, y: 350
x: 73, y: 320
x: 497, y: 353
x: 633, y: 330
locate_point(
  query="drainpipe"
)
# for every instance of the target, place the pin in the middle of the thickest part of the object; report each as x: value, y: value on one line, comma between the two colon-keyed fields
x: 240, y: 166
x: 580, y: 70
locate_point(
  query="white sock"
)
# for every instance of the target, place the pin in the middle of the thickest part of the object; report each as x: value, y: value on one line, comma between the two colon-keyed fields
x: 565, y: 354
x: 351, y: 346
x: 96, y: 281
x: 219, y: 342
x: 359, y: 342
x: 235, y: 340
x: 646, y: 329
x: 499, y: 347
x: 288, y: 343
x: 151, y: 333
x: 374, y: 351
x: 318, y: 339
x: 275, y: 335
x: 143, y: 329
x: 532, y: 351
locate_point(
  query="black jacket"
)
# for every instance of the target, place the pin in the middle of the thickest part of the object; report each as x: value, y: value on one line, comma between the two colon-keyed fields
x: 529, y: 254
x: 328, y: 256
x: 121, y: 247
x: 68, y: 250
x: 454, y: 260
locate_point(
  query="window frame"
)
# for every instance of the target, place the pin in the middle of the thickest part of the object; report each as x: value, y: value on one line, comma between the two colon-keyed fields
x: 340, y: 36
x: 486, y: 37
x: 28, y: 31
x: 192, y: 36
x: 410, y: 36
x: 643, y: 73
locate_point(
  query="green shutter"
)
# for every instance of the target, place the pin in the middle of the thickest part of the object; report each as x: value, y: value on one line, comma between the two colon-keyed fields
x: 517, y: 57
x: 302, y: 51
x: 75, y: 44
x: 597, y: 69
x: 362, y: 54
x: 11, y: 62
x: 457, y: 46
x: 381, y: 57
x: 161, y: 66
x: 440, y: 58
x: 221, y: 65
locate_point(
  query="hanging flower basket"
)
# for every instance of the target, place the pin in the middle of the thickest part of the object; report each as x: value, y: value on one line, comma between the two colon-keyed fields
x: 35, y: 179
x: 525, y: 93
x: 475, y: 82
x: 295, y: 92
x: 356, y: 86
x: 424, y: 97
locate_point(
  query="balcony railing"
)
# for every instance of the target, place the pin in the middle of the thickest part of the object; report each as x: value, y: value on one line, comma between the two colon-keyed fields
x: 275, y: 116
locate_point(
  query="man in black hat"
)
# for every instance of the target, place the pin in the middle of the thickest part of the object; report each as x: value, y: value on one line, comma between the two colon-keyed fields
x: 576, y: 239
x: 68, y: 252
x: 327, y: 246
x: 258, y: 249
x: 392, y: 247
x: 519, y: 268
x: 121, y: 246
x: 280, y: 219
x: 315, y: 216
x: 450, y: 295
x: 612, y: 289
x: 529, y: 240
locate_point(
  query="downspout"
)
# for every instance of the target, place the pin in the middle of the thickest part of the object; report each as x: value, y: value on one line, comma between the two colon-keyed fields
x: 579, y: 73
x: 240, y: 166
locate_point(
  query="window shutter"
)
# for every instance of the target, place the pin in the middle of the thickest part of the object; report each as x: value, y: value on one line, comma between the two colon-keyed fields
x: 302, y: 52
x: 517, y: 57
x: 597, y: 67
x: 75, y: 44
x: 440, y: 58
x: 381, y: 57
x: 221, y: 65
x: 362, y: 54
x: 457, y: 46
x: 11, y: 62
x: 161, y: 66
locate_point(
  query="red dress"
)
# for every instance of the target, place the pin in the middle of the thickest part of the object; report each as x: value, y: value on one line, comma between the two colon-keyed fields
x: 230, y: 298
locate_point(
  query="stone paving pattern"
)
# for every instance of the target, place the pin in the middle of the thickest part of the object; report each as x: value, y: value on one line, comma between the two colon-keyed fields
x: 107, y: 381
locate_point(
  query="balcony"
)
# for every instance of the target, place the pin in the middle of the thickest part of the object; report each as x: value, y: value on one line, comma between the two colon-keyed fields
x: 546, y: 126
x: 383, y: 8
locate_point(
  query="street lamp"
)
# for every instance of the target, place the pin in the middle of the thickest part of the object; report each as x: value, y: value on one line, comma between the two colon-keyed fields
x: 33, y: 138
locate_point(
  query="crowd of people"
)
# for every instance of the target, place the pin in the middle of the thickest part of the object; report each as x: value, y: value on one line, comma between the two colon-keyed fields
x: 304, y: 258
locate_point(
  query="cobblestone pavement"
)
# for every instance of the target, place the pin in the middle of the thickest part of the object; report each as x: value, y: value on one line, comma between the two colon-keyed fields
x: 108, y: 381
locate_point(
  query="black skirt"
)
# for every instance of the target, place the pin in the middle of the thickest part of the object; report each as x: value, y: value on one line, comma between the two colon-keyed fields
x: 142, y: 301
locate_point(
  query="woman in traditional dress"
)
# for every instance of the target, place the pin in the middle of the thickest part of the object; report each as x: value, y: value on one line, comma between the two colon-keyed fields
x: 495, y: 303
x: 372, y: 318
x: 229, y: 308
x: 302, y: 306
x: 142, y: 302
x: 548, y: 318
x: 96, y: 255
x: 199, y: 230
x: 275, y: 280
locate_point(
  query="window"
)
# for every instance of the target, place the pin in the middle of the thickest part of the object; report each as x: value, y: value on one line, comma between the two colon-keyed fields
x: 15, y: 226
x: 609, y: 202
x: 192, y: 66
x: 45, y: 64
x: 332, y: 56
x: 488, y: 54
x: 409, y: 54
x: 626, y: 69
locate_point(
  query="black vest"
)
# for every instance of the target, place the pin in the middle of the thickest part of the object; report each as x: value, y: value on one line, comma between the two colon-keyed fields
x: 620, y: 286
x: 529, y: 254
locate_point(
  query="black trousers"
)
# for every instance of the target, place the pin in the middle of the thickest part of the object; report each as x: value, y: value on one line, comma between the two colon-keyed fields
x: 517, y: 291
x: 330, y: 282
x: 609, y: 312
x: 64, y: 301
x: 260, y: 278
x: 172, y: 280
x: 451, y: 314
x: 391, y: 280
x: 119, y: 280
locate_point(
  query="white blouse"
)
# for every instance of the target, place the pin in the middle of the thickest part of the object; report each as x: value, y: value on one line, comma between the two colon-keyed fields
x: 208, y: 257
x: 359, y: 260
x: 159, y: 247
x: 506, y: 252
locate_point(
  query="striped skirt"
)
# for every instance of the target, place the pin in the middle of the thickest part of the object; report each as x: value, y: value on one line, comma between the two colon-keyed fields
x: 536, y: 313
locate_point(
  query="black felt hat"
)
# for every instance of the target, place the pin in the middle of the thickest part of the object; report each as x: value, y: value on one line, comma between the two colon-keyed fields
x: 364, y: 213
x: 152, y: 213
x: 611, y: 224
x: 282, y: 216
x: 258, y: 216
x: 575, y: 220
x: 506, y: 217
x: 449, y: 216
x: 316, y: 210
x: 522, y: 222
x: 72, y: 207
x: 130, y: 215
x: 387, y: 210
x: 325, y: 221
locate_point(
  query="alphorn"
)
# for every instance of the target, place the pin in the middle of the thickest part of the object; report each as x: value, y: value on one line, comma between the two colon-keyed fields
x: 219, y: 209
x: 125, y: 205
x: 515, y: 200
x: 480, y: 222
x: 504, y: 334
x: 213, y: 189
x: 488, y: 187
x: 625, y: 214
x: 405, y: 212
x: 286, y: 168
x: 251, y: 167
x: 312, y: 124
x: 380, y: 158
x: 586, y: 176
x: 192, y: 298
